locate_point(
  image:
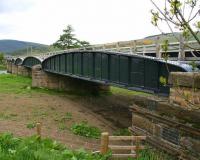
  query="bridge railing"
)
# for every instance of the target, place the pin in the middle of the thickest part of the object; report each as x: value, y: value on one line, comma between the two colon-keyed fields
x: 177, y: 49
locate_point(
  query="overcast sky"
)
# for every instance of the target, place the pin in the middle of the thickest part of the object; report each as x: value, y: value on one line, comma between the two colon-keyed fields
x: 96, y: 21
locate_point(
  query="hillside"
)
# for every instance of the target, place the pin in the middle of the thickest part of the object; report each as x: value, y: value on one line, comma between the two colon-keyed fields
x: 15, y: 46
x: 168, y: 36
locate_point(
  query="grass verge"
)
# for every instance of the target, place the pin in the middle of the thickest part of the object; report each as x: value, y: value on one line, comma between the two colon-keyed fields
x: 35, y: 148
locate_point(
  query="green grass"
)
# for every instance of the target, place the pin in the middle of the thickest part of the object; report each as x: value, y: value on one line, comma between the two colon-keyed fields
x: 5, y: 116
x: 35, y: 148
x: 153, y: 154
x: 62, y: 126
x: 85, y: 130
x: 15, y: 84
x: 30, y: 125
x: 126, y: 92
x: 122, y: 132
x: 10, y: 83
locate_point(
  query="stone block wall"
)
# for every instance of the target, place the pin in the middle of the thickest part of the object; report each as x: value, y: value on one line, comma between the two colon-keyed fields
x: 24, y: 71
x: 59, y: 82
x: 9, y: 67
x: 185, y: 89
x: 18, y: 70
x: 14, y: 69
x: 168, y: 123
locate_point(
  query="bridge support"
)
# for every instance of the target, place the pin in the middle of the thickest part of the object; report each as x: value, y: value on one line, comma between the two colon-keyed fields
x: 9, y: 66
x: 24, y: 71
x: 65, y: 83
x: 19, y: 70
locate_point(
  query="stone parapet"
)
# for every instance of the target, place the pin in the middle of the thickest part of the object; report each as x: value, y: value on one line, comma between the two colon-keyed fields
x: 185, y: 89
x: 185, y: 79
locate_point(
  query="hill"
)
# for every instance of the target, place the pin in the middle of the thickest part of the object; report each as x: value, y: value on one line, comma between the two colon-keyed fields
x: 168, y: 36
x: 15, y: 46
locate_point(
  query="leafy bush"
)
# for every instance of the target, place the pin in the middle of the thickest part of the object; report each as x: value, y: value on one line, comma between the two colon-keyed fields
x: 83, y: 129
x: 31, y: 125
x: 122, y: 132
x: 34, y: 148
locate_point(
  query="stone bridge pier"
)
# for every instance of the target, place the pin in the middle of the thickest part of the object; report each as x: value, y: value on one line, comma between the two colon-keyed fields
x: 18, y: 69
x: 44, y: 79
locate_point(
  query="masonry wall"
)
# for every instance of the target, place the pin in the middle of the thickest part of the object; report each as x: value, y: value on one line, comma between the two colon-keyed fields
x: 9, y: 67
x: 172, y: 124
x: 59, y: 82
x: 18, y: 70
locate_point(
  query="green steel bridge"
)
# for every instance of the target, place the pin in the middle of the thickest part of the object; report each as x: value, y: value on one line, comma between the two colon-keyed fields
x: 130, y: 71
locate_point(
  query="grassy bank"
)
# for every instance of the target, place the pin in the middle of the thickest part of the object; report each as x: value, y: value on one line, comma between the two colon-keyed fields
x: 13, y: 84
x: 17, y: 84
x: 35, y: 148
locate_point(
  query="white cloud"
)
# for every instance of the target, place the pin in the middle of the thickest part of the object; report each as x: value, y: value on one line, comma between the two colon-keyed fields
x: 97, y: 21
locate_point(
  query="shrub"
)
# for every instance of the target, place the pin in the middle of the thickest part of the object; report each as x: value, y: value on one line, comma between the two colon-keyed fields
x: 83, y: 129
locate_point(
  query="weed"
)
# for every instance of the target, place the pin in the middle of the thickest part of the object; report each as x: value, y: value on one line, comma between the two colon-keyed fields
x: 152, y: 154
x: 68, y: 116
x: 122, y: 132
x: 31, y: 125
x: 62, y: 126
x: 85, y: 130
x: 4, y: 116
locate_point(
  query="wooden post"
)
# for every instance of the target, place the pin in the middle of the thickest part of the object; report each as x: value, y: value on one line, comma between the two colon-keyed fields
x: 104, y: 142
x: 38, y: 128
x: 137, y: 140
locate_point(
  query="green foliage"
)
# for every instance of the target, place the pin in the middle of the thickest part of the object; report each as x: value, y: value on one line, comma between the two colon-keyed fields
x: 163, y: 80
x: 85, y: 130
x: 31, y: 125
x: 154, y: 18
x: 68, y: 40
x: 194, y: 65
x: 153, y: 154
x: 165, y: 45
x: 34, y: 148
x: 1, y: 58
x: 68, y: 116
x: 122, y: 132
x: 126, y: 92
x: 62, y: 126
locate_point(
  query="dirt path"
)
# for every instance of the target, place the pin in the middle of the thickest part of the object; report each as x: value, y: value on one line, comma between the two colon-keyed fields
x: 17, y: 111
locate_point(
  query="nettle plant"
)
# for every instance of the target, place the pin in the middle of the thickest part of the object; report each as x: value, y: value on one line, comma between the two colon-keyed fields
x: 182, y: 16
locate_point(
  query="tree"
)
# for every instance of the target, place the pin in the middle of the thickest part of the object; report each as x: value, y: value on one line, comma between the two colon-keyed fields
x: 1, y: 58
x: 68, y: 40
x: 183, y: 15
